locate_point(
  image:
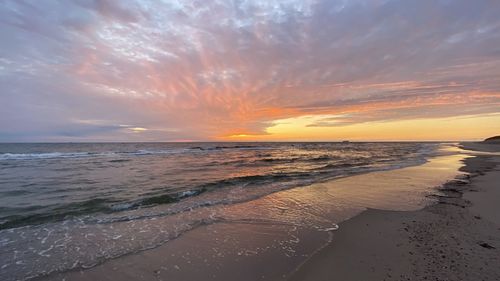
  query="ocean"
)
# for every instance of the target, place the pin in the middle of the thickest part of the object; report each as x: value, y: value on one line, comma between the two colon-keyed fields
x: 74, y: 205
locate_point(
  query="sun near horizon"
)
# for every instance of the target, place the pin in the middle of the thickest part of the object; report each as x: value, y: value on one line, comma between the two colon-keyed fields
x: 432, y: 129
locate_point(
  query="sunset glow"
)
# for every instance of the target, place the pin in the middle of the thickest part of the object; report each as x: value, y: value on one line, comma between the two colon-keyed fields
x: 311, y: 70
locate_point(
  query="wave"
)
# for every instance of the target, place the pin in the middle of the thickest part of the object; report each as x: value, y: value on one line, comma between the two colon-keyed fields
x: 174, y: 197
x: 141, y: 152
x: 49, y: 155
x: 291, y: 159
x: 160, y: 199
x: 119, y: 160
x: 42, y: 215
x: 228, y: 147
x: 57, y: 155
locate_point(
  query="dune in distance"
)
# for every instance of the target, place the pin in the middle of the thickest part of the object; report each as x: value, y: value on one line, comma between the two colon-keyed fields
x: 249, y: 140
x: 495, y: 139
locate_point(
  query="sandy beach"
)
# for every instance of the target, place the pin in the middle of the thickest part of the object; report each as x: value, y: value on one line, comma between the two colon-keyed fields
x: 455, y: 238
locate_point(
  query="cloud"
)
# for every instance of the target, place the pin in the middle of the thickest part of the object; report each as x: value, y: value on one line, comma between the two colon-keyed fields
x: 204, y: 70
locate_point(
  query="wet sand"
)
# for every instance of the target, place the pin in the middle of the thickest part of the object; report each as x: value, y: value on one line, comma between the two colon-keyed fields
x: 450, y: 240
x: 211, y: 252
x: 456, y: 239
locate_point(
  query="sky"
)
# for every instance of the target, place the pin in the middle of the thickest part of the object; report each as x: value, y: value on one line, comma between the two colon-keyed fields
x: 249, y: 70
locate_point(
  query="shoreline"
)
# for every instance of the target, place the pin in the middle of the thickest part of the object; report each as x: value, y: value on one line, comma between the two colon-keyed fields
x: 95, y: 236
x: 270, y: 251
x: 457, y: 238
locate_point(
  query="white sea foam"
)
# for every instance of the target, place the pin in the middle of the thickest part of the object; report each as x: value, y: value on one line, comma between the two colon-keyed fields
x: 56, y: 154
x: 28, y: 156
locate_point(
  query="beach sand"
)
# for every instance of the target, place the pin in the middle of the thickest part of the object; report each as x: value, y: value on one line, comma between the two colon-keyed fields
x: 458, y: 238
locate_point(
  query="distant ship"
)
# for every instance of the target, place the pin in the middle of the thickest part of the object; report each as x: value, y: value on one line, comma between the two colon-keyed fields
x: 346, y: 141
